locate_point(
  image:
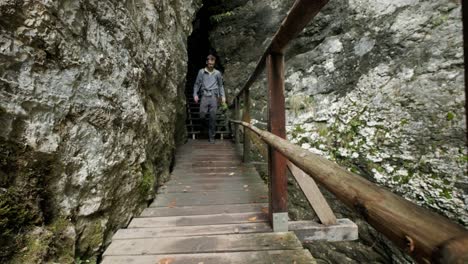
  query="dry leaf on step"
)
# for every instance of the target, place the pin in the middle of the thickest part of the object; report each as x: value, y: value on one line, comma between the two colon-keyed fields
x: 166, y: 261
x: 172, y: 204
x: 252, y: 219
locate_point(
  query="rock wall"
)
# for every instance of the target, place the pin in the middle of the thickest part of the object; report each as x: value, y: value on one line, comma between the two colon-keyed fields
x: 91, y: 108
x: 375, y: 86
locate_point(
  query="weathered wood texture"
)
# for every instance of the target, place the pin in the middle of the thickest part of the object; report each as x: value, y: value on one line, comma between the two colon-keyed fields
x: 202, y: 216
x: 277, y: 125
x: 313, y: 194
x: 258, y: 257
x: 306, y: 183
x: 422, y: 233
x: 246, y: 118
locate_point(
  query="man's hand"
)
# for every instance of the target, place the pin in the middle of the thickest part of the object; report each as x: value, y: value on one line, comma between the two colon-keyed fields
x: 223, y: 99
x: 196, y: 99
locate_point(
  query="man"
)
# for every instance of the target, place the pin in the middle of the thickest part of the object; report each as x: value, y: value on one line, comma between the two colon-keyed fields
x: 210, y: 82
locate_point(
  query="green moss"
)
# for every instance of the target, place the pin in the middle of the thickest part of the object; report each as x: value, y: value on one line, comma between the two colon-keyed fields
x: 322, y: 131
x: 450, y: 116
x: 220, y: 17
x: 148, y: 180
x: 91, y: 239
x: 47, y: 243
x: 35, y: 247
x: 446, y: 193
x: 439, y: 20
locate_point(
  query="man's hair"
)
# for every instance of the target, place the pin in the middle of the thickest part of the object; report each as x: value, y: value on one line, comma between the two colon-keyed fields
x: 211, y: 55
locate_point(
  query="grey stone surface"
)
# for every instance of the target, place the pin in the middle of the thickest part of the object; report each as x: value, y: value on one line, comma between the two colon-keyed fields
x: 376, y: 86
x: 99, y: 85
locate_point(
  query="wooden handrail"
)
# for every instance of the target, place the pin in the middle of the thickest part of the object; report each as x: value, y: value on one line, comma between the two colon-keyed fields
x: 426, y: 236
x: 300, y: 14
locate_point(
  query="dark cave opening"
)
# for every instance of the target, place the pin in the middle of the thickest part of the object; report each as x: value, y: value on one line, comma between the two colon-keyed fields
x: 198, y: 47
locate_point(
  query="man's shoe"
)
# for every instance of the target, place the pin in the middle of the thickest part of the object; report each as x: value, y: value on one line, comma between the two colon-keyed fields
x: 211, y: 140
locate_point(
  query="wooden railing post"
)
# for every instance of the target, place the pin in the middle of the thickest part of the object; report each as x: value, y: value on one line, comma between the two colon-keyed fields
x: 246, y: 118
x: 237, y: 116
x: 276, y: 161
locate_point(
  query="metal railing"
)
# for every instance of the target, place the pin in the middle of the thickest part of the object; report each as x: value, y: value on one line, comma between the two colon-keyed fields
x: 426, y: 236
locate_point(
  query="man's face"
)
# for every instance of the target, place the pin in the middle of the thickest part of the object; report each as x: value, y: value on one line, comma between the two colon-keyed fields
x: 210, y: 62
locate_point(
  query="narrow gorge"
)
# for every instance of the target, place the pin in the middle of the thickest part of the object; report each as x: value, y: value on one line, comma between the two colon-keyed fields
x: 93, y: 107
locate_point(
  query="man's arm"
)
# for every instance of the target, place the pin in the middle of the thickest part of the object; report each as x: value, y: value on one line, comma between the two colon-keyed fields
x: 196, y: 86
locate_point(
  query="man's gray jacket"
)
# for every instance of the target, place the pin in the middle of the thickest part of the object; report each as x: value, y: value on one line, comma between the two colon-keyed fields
x: 210, y: 83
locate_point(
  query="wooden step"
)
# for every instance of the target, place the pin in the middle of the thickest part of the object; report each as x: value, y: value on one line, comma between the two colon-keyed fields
x: 192, y: 199
x: 198, y: 220
x: 214, y: 181
x: 171, y: 231
x: 204, y: 209
x: 204, y: 244
x: 212, y: 187
x: 298, y: 256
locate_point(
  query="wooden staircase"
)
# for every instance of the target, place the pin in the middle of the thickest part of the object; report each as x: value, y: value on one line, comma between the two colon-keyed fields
x: 213, y: 210
x: 196, y: 125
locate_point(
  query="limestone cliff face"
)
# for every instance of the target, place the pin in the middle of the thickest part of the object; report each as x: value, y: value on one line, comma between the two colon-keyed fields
x: 91, y: 95
x: 375, y: 85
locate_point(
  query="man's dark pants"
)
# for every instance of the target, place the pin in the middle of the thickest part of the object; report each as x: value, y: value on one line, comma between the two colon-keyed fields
x: 209, y: 104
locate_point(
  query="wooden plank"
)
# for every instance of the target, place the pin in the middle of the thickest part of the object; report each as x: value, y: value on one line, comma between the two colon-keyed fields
x: 234, y: 169
x: 195, y: 230
x: 298, y: 256
x: 277, y: 126
x: 210, y: 163
x: 313, y: 194
x: 204, y: 244
x: 217, y: 176
x: 246, y: 118
x: 221, y: 186
x: 204, y: 209
x: 191, y: 181
x: 310, y: 231
x: 190, y: 199
x: 193, y: 220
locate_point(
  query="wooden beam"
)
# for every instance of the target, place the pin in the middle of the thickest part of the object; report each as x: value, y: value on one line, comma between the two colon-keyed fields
x: 310, y: 231
x: 246, y: 118
x: 313, y: 194
x: 236, y: 127
x: 277, y: 125
x: 307, y: 184
x: 423, y: 234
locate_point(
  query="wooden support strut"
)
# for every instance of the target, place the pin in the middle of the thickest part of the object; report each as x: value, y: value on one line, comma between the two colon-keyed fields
x: 277, y: 125
x: 425, y: 235
x: 236, y: 127
x: 246, y: 118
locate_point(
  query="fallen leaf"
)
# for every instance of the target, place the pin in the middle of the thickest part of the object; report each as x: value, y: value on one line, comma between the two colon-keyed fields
x: 265, y: 210
x: 172, y: 204
x: 200, y: 262
x: 263, y: 197
x: 232, y: 173
x: 184, y: 190
x: 245, y: 186
x: 252, y: 219
x: 166, y: 261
